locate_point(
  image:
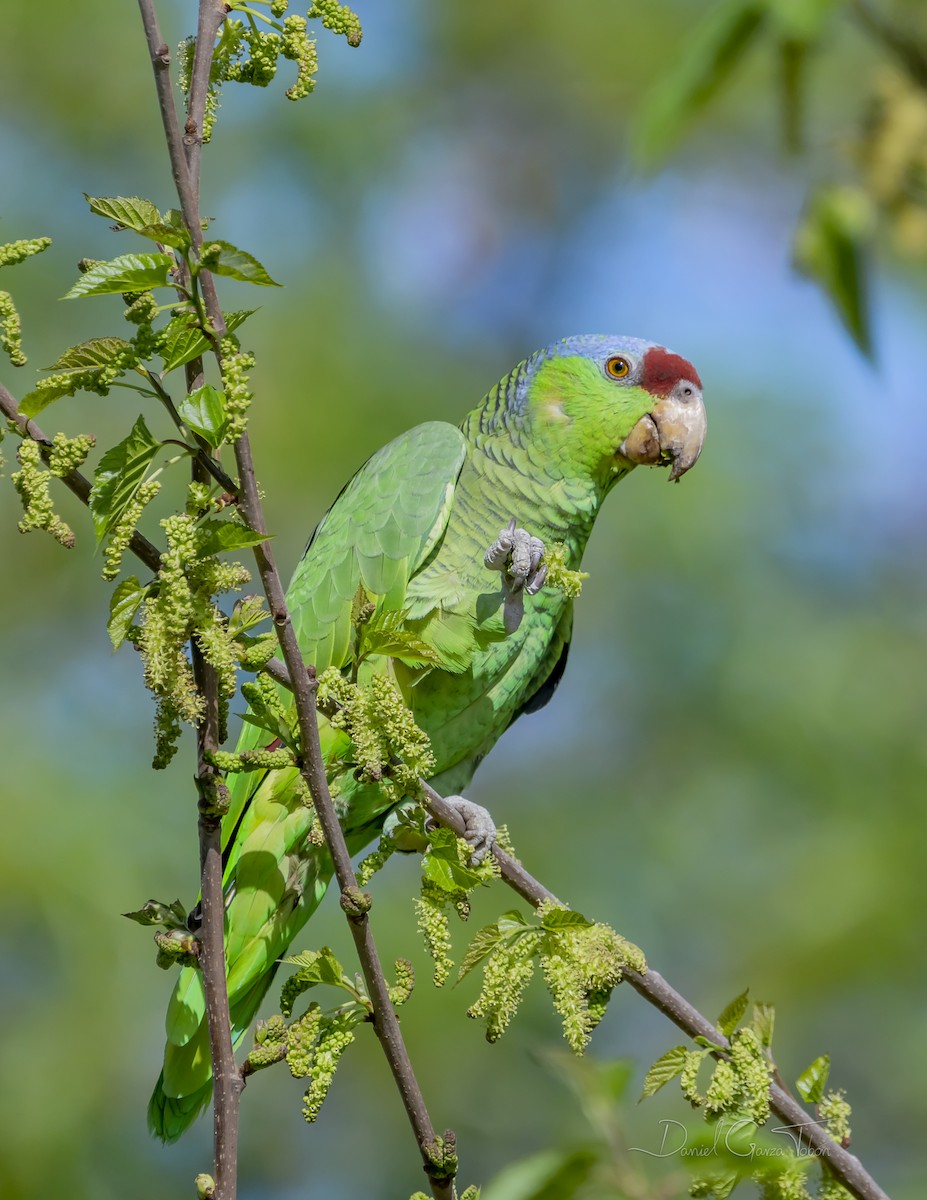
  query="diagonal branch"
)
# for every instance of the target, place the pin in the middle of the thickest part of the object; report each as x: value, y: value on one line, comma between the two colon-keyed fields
x: 655, y: 990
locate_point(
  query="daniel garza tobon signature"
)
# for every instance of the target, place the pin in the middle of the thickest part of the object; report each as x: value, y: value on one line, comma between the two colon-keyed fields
x: 730, y: 1137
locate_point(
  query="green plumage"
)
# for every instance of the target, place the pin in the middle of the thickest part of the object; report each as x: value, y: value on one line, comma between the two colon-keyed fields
x: 411, y: 528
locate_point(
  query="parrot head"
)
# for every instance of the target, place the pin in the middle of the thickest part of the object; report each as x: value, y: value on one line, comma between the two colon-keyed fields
x: 610, y: 403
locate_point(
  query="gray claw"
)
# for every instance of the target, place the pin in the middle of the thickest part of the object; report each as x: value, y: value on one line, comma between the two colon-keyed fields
x: 517, y: 555
x: 479, y: 827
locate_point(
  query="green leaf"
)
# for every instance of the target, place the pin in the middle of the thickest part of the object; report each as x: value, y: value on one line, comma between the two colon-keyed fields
x: 222, y: 258
x: 247, y: 613
x: 483, y: 944
x: 802, y: 19
x: 549, y: 1175
x: 830, y: 248
x: 764, y: 1021
x: 318, y: 966
x: 564, y: 918
x: 667, y: 1067
x: 33, y: 402
x: 730, y: 1018
x: 203, y: 411
x: 127, y: 273
x: 123, y: 606
x: 155, y: 912
x: 98, y: 352
x: 708, y: 1044
x: 712, y: 51
x: 812, y: 1081
x: 213, y: 536
x: 167, y: 235
x: 184, y: 341
x: 442, y: 866
x: 119, y: 475
x: 130, y: 211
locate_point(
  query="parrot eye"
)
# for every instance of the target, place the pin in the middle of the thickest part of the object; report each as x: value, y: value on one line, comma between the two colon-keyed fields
x: 617, y: 367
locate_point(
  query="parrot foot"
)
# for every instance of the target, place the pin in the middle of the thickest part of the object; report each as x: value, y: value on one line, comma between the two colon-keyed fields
x: 517, y: 556
x: 479, y: 827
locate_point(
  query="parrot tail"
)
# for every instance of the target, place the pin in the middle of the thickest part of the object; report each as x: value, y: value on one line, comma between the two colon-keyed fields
x: 170, y: 1116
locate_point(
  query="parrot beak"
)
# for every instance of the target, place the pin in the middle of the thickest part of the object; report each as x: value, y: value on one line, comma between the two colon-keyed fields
x: 673, y: 432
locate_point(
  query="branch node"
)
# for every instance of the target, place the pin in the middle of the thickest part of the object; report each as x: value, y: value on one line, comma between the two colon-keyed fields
x: 356, y: 902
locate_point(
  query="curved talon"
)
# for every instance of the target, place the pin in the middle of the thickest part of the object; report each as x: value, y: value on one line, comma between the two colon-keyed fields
x: 479, y: 827
x: 517, y: 555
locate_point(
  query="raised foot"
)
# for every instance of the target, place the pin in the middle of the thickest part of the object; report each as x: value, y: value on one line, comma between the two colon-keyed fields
x: 479, y: 827
x: 517, y: 555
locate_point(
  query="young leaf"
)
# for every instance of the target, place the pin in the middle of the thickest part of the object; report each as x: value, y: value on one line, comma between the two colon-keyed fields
x: 667, y: 1067
x: 485, y: 941
x: 214, y: 536
x: 43, y: 395
x: 98, y: 352
x: 564, y: 918
x: 184, y: 341
x: 119, y: 475
x: 812, y: 1081
x: 123, y: 606
x: 130, y: 211
x: 222, y: 258
x: 764, y: 1021
x: 167, y: 235
x: 730, y: 1018
x: 203, y: 411
x: 127, y: 273
x: 715, y: 47
x: 317, y: 966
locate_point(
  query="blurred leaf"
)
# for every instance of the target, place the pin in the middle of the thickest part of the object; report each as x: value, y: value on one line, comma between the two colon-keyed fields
x: 130, y: 211
x: 123, y: 606
x: 812, y: 1081
x: 127, y: 273
x: 551, y: 1175
x: 222, y: 258
x: 667, y: 1067
x: 213, y: 536
x: 119, y: 476
x: 764, y: 1022
x: 802, y: 20
x: 730, y: 1018
x: 184, y: 341
x: 830, y: 246
x: 713, y: 50
x: 203, y: 411
x: 793, y: 58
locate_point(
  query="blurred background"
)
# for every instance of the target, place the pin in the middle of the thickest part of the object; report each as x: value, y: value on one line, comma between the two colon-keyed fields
x: 733, y: 771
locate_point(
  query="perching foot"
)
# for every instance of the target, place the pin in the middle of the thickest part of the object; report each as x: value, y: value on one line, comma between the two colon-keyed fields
x: 479, y: 827
x: 517, y: 556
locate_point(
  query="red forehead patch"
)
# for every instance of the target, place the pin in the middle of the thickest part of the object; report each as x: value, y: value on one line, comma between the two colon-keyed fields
x: 662, y: 371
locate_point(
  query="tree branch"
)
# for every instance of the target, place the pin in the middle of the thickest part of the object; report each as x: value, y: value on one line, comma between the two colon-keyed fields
x: 385, y: 1021
x: 79, y: 484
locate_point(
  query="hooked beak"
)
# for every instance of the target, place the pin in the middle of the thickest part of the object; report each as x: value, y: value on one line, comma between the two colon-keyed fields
x: 673, y: 432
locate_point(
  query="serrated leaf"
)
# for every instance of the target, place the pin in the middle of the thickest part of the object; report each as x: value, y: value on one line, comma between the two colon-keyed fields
x: 404, y: 645
x: 127, y: 273
x: 119, y: 475
x: 154, y: 912
x: 730, y: 1018
x: 222, y: 258
x: 830, y: 248
x: 167, y: 235
x: 123, y: 606
x: 98, y: 352
x: 713, y: 50
x: 667, y: 1067
x: 564, y: 918
x: 203, y: 411
x: 33, y: 402
x: 131, y: 211
x: 763, y: 1022
x: 812, y: 1081
x: 317, y: 966
x: 213, y: 536
x: 442, y: 866
x: 184, y: 341
x: 483, y: 944
x: 247, y: 613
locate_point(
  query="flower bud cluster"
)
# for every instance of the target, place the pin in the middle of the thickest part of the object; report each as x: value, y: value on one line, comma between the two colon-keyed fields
x: 31, y: 482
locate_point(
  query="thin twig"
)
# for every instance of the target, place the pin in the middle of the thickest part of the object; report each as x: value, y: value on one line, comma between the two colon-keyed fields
x: 385, y: 1021
x: 656, y: 991
x: 79, y: 484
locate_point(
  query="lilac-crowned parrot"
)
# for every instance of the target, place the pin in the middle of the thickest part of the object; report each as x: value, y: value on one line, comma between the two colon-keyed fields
x: 446, y: 525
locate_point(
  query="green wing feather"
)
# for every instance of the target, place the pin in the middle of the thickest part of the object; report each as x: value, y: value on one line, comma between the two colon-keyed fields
x: 380, y: 530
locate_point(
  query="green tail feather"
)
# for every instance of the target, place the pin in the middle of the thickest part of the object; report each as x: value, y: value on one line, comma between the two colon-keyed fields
x: 170, y: 1116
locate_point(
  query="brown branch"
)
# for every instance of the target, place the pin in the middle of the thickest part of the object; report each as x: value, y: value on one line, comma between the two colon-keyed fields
x: 656, y: 991
x: 79, y: 484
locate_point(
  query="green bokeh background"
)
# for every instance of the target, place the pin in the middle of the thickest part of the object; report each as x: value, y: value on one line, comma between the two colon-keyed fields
x: 733, y: 771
